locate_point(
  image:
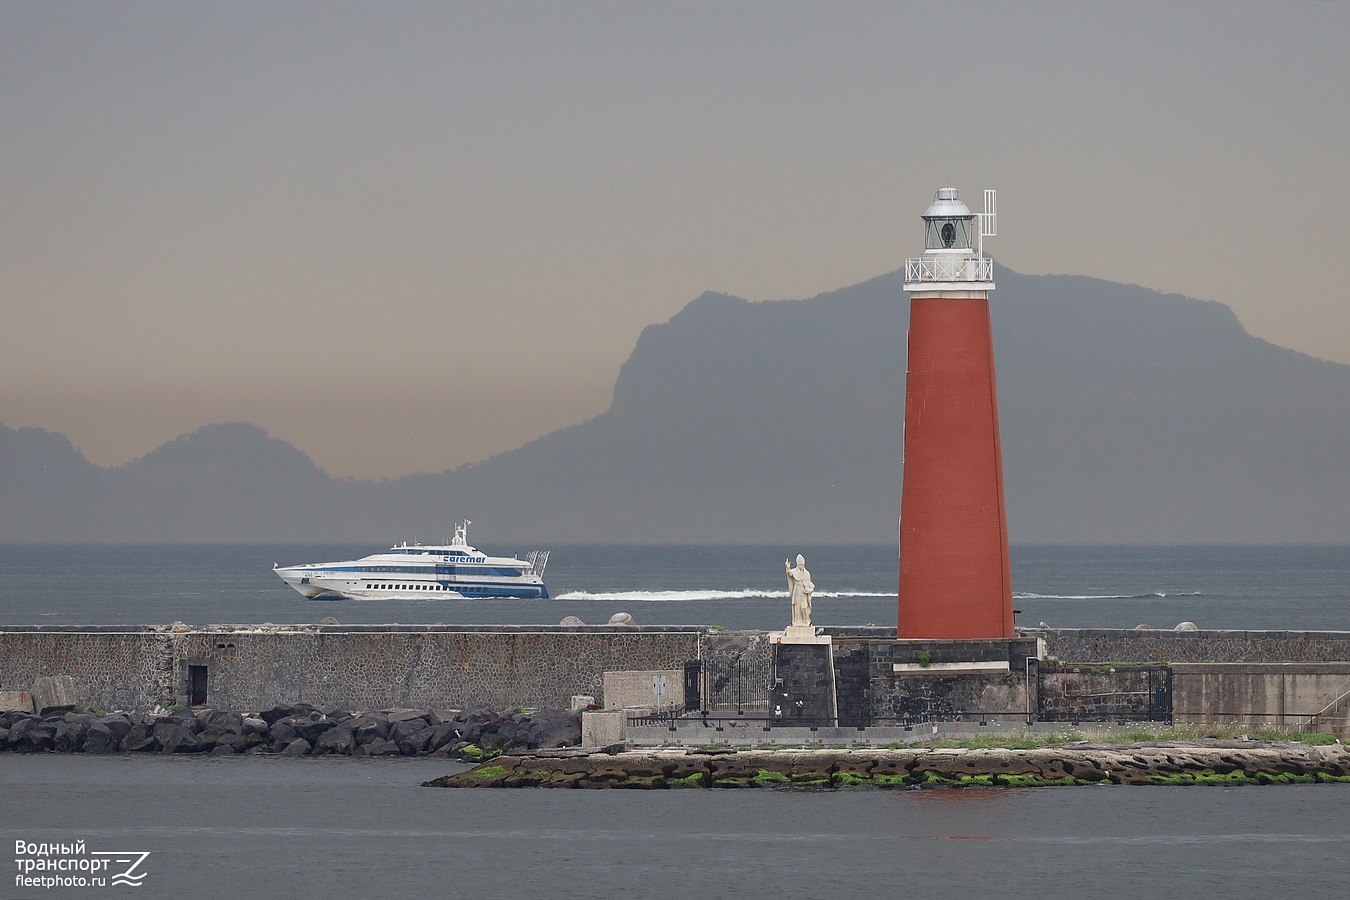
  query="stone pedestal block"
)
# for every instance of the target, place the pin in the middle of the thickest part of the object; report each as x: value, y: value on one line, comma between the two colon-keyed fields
x: 806, y: 689
x: 801, y: 634
x: 603, y: 727
x: 53, y: 693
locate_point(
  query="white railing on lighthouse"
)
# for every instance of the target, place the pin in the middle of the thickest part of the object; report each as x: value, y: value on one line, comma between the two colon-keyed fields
x: 949, y: 269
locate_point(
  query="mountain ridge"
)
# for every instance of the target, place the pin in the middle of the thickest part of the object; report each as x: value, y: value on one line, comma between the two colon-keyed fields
x: 1128, y: 416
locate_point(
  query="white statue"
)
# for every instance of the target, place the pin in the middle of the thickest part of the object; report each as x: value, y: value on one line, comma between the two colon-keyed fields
x: 799, y: 589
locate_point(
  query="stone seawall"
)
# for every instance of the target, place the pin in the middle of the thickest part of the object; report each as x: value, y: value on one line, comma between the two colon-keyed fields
x: 128, y: 669
x: 1155, y: 645
x: 877, y: 679
x: 356, y: 667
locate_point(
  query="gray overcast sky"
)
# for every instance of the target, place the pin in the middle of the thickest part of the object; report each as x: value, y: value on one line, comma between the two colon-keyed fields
x: 407, y: 236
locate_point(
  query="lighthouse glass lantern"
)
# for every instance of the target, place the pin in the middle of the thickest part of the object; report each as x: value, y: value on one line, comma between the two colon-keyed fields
x: 953, y: 256
x: 949, y: 225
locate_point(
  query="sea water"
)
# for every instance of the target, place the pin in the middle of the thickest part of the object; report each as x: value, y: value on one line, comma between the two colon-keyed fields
x: 342, y: 827
x: 246, y: 826
x: 1244, y: 587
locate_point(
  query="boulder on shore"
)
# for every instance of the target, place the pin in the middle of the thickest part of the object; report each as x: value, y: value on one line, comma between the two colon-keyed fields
x: 333, y: 731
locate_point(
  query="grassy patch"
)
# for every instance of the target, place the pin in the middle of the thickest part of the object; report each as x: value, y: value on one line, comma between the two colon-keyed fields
x: 1225, y: 732
x: 1238, y: 777
x: 490, y: 772
x: 698, y: 779
x: 1018, y: 740
x: 475, y: 753
x: 765, y: 778
x: 1286, y: 778
x: 1301, y: 737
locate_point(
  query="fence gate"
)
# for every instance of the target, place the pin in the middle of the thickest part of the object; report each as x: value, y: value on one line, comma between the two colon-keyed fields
x: 693, y: 682
x: 1160, y: 694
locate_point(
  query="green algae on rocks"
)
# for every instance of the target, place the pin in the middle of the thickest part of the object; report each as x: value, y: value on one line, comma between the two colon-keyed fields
x: 1202, y: 762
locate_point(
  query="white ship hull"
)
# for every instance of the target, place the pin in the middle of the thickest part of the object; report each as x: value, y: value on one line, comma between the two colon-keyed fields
x: 416, y: 572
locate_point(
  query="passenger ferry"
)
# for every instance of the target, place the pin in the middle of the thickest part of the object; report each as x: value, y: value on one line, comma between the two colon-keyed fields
x: 417, y: 572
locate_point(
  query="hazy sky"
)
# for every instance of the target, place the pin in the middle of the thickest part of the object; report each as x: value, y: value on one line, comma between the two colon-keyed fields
x: 406, y: 236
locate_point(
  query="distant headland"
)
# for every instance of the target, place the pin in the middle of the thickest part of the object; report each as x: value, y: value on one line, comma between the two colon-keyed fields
x: 1128, y: 416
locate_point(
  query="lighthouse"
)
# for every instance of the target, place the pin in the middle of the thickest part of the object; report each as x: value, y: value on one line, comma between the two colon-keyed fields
x: 955, y: 579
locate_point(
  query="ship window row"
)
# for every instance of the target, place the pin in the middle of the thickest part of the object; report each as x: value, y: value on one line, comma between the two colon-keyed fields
x: 498, y: 571
x: 463, y: 589
x: 478, y: 570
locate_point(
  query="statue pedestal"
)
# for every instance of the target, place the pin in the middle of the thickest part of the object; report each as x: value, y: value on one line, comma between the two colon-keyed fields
x: 804, y: 662
x: 799, y: 634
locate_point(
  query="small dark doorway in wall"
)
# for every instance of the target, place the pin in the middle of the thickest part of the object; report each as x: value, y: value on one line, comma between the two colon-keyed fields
x: 693, y: 678
x: 196, y: 685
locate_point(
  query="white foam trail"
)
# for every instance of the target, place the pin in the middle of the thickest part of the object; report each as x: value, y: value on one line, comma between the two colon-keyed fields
x: 666, y: 596
x: 1027, y: 595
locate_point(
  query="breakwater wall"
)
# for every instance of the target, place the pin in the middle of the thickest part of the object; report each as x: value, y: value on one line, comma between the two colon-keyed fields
x: 1293, y: 680
x: 1041, y: 675
x: 1200, y: 762
x: 355, y: 667
x: 1157, y: 645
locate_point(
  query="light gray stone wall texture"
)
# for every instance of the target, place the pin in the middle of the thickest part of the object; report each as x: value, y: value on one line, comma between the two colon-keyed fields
x: 602, y: 727
x: 130, y: 669
x: 638, y: 689
x: 255, y: 667
x: 1090, y: 645
x: 1254, y: 695
x: 359, y: 668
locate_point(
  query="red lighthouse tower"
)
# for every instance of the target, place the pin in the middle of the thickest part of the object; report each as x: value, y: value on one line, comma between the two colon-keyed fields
x: 955, y: 581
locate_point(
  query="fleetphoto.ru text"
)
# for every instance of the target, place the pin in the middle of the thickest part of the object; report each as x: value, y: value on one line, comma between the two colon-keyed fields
x: 53, y: 864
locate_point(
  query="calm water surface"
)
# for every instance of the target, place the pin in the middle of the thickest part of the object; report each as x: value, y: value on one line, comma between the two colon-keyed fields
x: 344, y: 827
x: 1266, y: 587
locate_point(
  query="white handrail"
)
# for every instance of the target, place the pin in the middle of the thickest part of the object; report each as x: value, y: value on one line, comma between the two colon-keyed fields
x: 1328, y: 707
x: 947, y: 268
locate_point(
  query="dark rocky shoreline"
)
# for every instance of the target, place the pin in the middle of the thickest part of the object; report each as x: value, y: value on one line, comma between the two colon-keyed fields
x: 1167, y: 763
x: 295, y: 729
